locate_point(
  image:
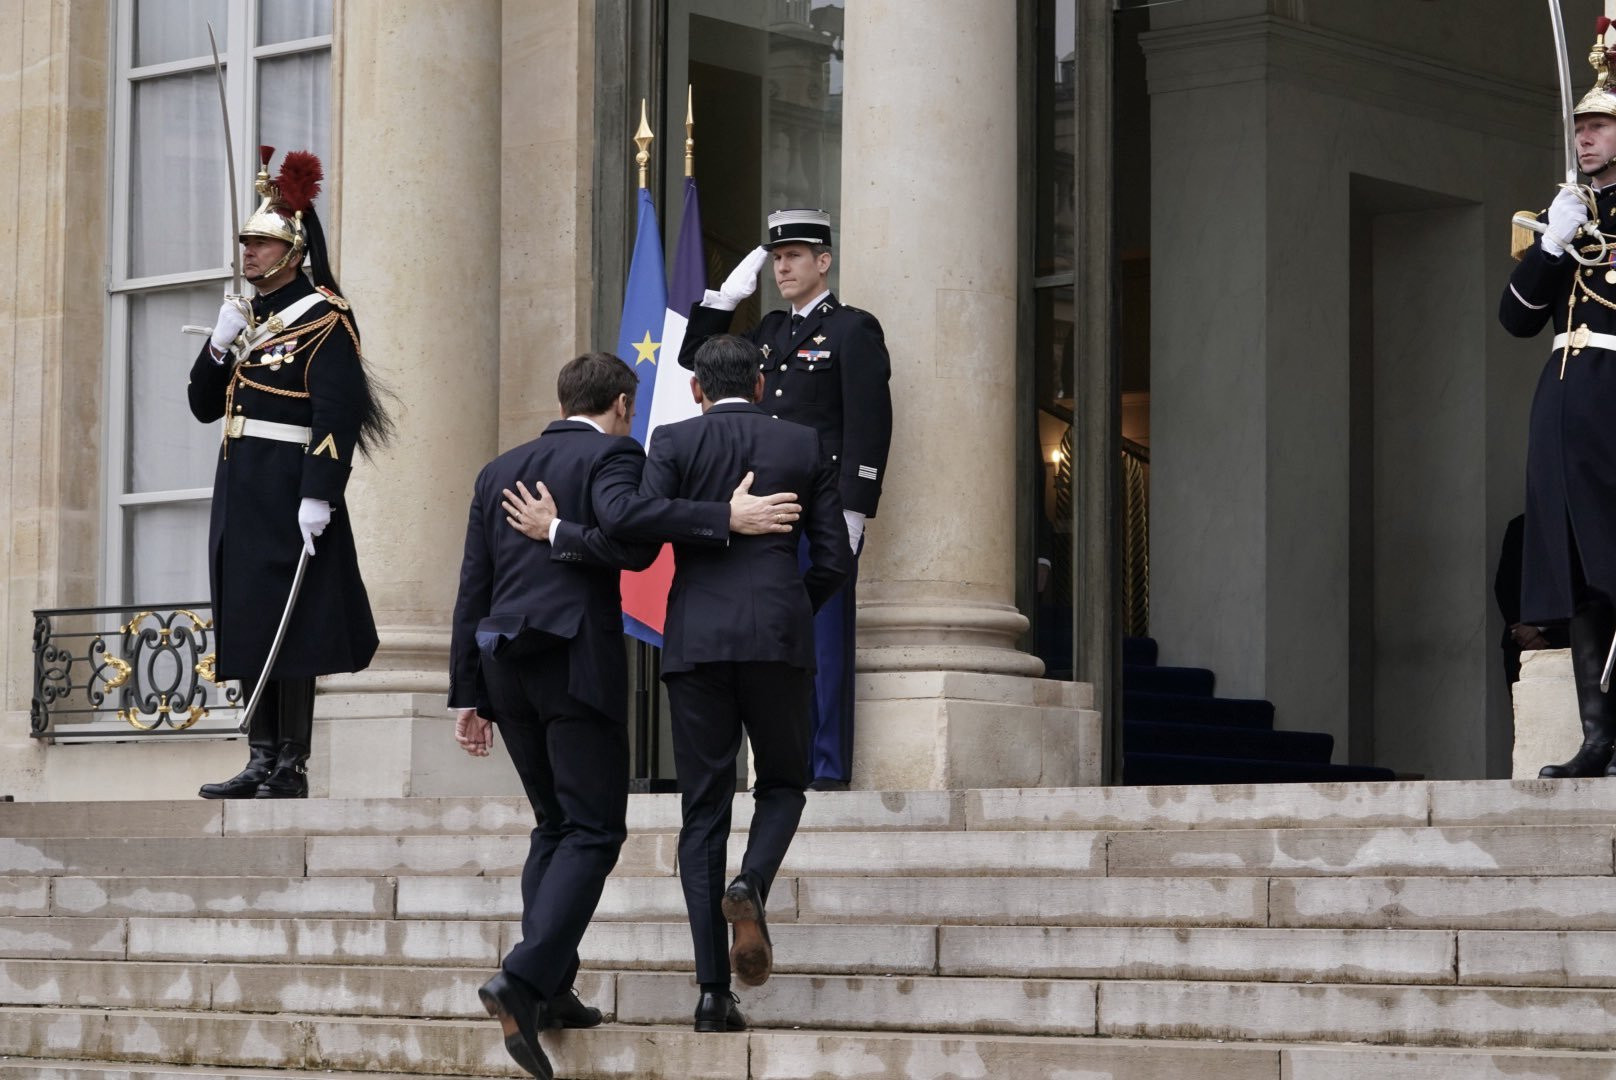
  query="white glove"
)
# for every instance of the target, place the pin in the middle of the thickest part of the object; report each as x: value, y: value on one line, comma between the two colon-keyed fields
x: 1566, y: 214
x: 855, y: 528
x: 313, y: 515
x: 228, y: 326
x: 741, y: 283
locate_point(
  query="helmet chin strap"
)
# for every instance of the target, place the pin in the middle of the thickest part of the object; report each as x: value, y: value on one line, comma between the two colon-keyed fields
x: 285, y: 261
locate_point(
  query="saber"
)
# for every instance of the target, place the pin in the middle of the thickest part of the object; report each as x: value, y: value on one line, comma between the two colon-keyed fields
x: 275, y: 646
x: 230, y: 167
x: 1610, y: 663
x: 1568, y: 122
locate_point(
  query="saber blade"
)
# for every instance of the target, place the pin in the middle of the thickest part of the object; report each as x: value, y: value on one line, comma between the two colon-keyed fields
x: 1567, y: 120
x: 1610, y: 663
x: 275, y: 646
x: 230, y: 166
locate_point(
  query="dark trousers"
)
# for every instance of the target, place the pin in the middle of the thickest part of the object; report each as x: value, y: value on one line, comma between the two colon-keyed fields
x: 835, y: 641
x: 713, y: 704
x: 573, y: 761
x: 285, y: 713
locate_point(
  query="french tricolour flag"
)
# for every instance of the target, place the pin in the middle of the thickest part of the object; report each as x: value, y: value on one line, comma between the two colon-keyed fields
x: 654, y: 315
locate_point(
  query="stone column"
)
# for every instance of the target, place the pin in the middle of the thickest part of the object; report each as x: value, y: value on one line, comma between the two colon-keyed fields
x: 416, y: 188
x: 53, y: 254
x: 929, y: 245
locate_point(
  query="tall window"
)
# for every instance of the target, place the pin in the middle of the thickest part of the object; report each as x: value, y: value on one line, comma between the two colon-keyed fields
x: 171, y: 250
x: 766, y: 81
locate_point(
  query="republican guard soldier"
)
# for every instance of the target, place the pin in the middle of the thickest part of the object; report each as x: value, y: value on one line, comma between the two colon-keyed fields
x: 824, y: 364
x: 1567, y: 277
x: 284, y: 372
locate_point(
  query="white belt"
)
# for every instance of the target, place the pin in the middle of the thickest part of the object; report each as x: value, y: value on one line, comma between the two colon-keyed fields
x: 1581, y: 338
x: 267, y: 429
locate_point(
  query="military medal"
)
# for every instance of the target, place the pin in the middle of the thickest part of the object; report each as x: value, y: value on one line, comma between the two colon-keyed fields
x: 813, y: 356
x: 819, y: 339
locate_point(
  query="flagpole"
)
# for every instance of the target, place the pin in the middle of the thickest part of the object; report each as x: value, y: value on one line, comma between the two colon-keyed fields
x: 643, y: 139
x: 690, y: 129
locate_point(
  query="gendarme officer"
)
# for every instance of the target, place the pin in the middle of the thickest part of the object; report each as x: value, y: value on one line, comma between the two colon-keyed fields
x: 285, y: 374
x: 825, y: 365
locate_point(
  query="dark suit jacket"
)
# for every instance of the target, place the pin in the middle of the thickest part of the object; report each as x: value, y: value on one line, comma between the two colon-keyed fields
x: 747, y: 601
x: 832, y: 373
x: 510, y: 584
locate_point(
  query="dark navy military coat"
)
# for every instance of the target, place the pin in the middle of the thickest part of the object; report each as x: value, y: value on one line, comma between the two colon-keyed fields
x: 1571, y: 453
x: 253, y: 535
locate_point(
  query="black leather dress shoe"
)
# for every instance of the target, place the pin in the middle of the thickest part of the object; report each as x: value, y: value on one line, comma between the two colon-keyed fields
x: 752, y: 955
x: 567, y: 1010
x: 719, y: 1012
x: 522, y: 1015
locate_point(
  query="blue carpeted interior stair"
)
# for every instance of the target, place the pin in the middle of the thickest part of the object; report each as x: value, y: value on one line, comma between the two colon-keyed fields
x: 1174, y: 731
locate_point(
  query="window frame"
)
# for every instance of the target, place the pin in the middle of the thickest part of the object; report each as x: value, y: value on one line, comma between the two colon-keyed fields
x: 240, y: 55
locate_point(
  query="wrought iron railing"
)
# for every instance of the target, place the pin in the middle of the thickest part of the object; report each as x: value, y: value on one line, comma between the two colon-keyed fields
x: 125, y: 672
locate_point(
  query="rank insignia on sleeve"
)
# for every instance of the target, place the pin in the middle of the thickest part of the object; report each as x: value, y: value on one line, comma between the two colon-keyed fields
x: 327, y: 445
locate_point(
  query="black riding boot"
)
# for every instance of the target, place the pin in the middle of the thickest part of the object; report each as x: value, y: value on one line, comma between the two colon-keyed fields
x: 1591, y: 629
x: 288, y: 779
x: 263, y: 740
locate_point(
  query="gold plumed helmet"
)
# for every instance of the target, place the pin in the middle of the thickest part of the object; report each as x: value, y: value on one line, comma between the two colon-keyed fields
x: 1601, y: 99
x: 285, y: 200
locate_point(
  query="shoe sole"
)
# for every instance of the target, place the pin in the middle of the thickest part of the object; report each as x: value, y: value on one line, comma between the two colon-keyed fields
x: 529, y: 1057
x: 708, y: 1027
x: 751, y: 957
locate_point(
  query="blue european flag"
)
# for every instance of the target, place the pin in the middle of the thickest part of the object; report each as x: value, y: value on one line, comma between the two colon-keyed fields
x: 645, y: 307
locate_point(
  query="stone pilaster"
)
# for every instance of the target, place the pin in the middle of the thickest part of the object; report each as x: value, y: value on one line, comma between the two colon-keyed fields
x: 53, y: 232
x: 417, y: 193
x: 929, y: 245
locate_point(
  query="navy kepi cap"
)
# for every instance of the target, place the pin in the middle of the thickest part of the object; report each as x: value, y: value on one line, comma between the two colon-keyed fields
x: 799, y: 227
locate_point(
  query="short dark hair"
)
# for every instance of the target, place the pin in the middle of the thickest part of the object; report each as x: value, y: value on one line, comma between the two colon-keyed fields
x: 588, y: 384
x: 727, y: 366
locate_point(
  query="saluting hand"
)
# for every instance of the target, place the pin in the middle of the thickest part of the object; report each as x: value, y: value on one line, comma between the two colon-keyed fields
x: 754, y: 515
x: 741, y: 283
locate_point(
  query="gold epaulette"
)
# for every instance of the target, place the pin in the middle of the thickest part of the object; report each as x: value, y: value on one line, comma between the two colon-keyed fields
x: 1520, y: 237
x: 337, y: 301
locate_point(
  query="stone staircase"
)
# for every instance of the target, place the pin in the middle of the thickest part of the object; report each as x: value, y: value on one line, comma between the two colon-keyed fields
x: 1287, y: 932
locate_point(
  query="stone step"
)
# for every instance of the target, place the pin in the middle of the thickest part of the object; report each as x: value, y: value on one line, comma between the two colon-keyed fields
x: 1344, y: 956
x: 1229, y: 806
x: 870, y: 852
x: 1501, y: 903
x: 1465, y: 903
x: 1456, y: 851
x: 1401, y: 1015
x: 1572, y: 850
x: 864, y: 1003
x: 316, y: 1048
x: 1076, y: 901
x: 151, y: 856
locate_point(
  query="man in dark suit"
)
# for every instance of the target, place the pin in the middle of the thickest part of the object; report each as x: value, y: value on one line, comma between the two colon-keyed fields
x: 824, y: 364
x: 537, y: 648
x: 739, y: 656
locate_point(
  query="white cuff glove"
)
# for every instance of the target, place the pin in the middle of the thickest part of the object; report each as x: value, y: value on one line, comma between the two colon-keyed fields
x: 855, y: 528
x: 313, y: 515
x: 1566, y: 215
x: 741, y: 283
x: 228, y: 326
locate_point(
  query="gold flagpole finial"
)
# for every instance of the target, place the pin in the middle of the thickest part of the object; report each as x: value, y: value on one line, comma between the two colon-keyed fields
x: 690, y: 131
x: 642, y: 139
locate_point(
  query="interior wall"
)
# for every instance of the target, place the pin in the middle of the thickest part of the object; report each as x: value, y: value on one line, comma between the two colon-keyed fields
x: 1432, y: 582
x: 1259, y: 124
